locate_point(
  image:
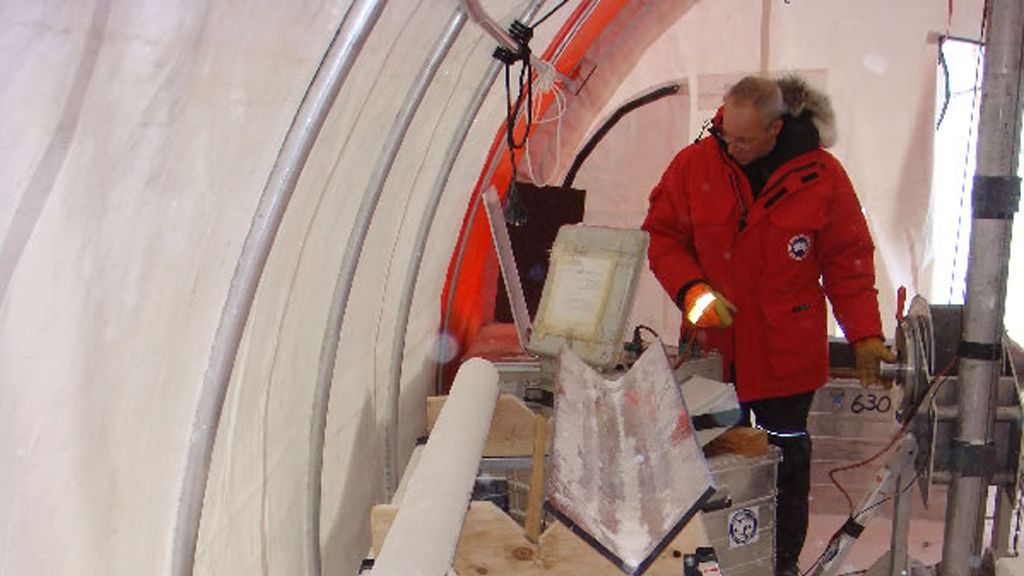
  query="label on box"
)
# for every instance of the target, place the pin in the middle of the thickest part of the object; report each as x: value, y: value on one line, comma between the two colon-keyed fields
x: 743, y: 527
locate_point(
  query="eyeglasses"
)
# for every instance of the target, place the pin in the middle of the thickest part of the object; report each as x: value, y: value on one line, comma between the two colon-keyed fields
x: 737, y: 141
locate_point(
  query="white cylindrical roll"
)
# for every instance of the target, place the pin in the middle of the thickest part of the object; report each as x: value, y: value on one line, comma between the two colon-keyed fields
x: 423, y: 538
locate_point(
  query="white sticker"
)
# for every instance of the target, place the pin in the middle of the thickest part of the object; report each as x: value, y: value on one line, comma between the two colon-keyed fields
x: 743, y: 525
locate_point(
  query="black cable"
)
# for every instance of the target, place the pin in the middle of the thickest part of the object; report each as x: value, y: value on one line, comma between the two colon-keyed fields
x: 917, y: 474
x: 626, y: 108
x: 510, y: 111
x: 510, y: 120
x: 946, y: 90
x: 548, y: 15
x: 510, y: 115
x: 933, y: 389
x: 647, y: 328
x: 636, y: 345
x: 522, y: 35
x: 854, y: 518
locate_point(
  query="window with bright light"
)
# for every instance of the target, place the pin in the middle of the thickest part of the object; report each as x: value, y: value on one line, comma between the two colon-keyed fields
x: 957, y: 106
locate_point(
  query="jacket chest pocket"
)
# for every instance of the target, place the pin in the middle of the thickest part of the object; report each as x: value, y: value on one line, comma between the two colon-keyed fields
x: 714, y: 233
x: 791, y: 236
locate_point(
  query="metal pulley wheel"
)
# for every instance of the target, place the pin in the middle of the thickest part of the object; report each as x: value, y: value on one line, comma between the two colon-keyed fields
x: 915, y: 340
x: 926, y: 342
x: 914, y: 345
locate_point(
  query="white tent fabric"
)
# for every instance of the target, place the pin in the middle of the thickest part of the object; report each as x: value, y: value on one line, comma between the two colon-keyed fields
x: 137, y: 138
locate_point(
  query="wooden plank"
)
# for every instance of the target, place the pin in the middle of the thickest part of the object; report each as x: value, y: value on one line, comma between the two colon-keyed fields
x: 493, y: 544
x: 512, y: 426
x: 741, y: 440
x: 564, y: 553
x: 535, y: 499
x: 381, y: 517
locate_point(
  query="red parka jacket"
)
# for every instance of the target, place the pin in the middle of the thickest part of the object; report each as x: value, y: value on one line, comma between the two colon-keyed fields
x: 775, y: 258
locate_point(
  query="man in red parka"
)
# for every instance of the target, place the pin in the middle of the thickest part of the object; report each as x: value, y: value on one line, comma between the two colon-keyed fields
x: 751, y: 228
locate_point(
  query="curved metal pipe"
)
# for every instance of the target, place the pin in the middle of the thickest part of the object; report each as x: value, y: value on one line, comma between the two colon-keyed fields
x: 480, y: 16
x: 309, y: 118
x: 346, y: 275
x: 457, y: 270
x: 413, y: 269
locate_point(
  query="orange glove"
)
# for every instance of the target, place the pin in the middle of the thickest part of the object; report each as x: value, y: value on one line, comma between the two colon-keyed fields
x: 705, y: 308
x: 870, y: 352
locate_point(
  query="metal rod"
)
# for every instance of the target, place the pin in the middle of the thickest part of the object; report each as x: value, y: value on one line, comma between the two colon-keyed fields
x: 277, y: 192
x: 1002, y: 521
x: 419, y: 247
x: 998, y: 142
x: 946, y: 477
x: 391, y: 465
x: 1003, y: 413
x: 343, y: 286
x: 898, y: 541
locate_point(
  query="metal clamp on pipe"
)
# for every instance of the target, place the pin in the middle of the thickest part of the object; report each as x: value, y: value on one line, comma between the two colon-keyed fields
x: 972, y: 460
x: 512, y: 45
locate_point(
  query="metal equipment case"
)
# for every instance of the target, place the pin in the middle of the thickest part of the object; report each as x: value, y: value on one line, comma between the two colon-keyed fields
x: 743, y: 534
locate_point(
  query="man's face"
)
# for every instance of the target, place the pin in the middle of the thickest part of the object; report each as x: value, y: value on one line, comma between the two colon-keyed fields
x: 745, y: 134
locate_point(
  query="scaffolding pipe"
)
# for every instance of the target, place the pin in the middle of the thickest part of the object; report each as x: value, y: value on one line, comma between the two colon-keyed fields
x: 302, y: 134
x: 995, y: 196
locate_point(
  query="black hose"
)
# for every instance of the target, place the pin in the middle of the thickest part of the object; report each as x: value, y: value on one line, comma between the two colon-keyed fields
x: 626, y: 108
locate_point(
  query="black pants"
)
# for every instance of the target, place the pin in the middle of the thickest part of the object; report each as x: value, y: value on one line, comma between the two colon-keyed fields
x: 785, y: 421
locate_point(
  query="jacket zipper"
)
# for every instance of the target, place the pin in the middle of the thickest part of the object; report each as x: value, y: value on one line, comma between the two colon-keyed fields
x: 773, y: 198
x: 733, y: 168
x: 739, y: 200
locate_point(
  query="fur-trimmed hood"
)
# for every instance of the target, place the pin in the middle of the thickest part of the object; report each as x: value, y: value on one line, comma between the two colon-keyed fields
x: 801, y: 99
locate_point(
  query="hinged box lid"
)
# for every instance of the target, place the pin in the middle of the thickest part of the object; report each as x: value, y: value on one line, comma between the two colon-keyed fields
x: 588, y: 294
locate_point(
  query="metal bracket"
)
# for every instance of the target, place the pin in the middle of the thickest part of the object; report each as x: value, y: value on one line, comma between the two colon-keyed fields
x: 980, y: 350
x: 995, y: 197
x: 972, y: 460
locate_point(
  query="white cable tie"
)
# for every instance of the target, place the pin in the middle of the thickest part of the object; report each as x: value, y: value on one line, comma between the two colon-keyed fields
x: 545, y: 75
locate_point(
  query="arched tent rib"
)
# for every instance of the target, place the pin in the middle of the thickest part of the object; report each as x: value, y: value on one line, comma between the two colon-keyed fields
x: 277, y: 193
x: 412, y: 273
x: 342, y: 290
